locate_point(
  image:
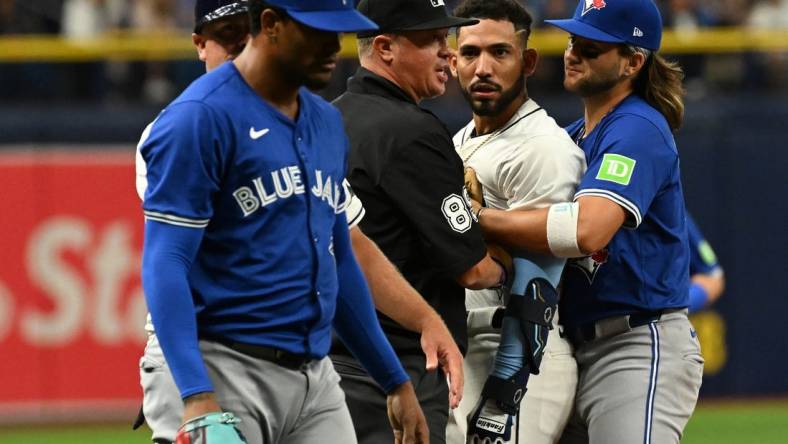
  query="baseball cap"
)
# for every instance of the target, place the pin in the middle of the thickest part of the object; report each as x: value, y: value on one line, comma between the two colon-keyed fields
x: 635, y: 22
x: 409, y: 15
x: 326, y: 15
x: 206, y: 11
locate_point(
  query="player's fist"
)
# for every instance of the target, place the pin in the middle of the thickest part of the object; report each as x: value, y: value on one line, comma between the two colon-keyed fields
x: 498, y: 254
x: 488, y: 424
x: 473, y: 186
x: 213, y: 428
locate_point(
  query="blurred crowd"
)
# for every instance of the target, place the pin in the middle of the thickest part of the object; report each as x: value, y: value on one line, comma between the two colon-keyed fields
x: 80, y: 18
x: 158, y: 82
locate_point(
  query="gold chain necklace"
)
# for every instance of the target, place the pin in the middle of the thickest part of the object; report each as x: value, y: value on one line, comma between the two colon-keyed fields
x: 481, y: 145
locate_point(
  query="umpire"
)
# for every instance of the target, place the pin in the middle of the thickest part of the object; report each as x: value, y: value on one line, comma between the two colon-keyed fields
x: 403, y: 166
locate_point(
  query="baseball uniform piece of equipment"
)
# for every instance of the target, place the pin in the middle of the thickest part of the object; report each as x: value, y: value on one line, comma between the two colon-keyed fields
x: 161, y: 400
x: 216, y: 428
x: 527, y: 321
x: 634, y: 292
x: 405, y: 171
x: 246, y: 243
x: 528, y: 163
x: 409, y: 15
x: 207, y: 11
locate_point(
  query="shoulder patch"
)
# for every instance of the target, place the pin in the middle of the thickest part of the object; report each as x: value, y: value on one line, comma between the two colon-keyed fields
x: 706, y: 253
x: 616, y: 168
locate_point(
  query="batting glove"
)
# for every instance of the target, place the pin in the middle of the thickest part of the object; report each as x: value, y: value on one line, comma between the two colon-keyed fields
x: 488, y: 424
x: 213, y: 428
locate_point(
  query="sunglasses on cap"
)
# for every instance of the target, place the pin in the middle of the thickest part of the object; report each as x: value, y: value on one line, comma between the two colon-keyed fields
x: 592, y: 50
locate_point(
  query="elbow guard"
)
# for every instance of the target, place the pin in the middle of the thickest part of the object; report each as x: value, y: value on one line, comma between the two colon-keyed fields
x: 535, y: 310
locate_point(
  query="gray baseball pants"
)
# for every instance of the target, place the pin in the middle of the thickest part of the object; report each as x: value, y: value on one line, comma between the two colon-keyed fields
x: 637, y: 387
x: 275, y: 404
x: 547, y: 404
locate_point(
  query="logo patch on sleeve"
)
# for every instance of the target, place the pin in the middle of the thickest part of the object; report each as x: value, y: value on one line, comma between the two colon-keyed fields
x: 616, y: 168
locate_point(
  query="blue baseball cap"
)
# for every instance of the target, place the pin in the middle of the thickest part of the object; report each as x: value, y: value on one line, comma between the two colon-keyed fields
x: 326, y: 15
x: 635, y: 22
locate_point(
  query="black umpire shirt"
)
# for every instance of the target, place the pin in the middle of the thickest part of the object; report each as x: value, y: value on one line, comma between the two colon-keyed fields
x: 403, y: 167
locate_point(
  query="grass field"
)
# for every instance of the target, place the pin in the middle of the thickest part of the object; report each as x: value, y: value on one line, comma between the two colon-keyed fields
x: 748, y: 422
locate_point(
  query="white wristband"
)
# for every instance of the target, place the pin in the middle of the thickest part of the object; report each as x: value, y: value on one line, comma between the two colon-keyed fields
x: 562, y: 229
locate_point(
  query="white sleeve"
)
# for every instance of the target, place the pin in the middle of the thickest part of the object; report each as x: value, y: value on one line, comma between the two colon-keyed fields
x: 542, y: 171
x: 140, y: 167
x: 354, y: 210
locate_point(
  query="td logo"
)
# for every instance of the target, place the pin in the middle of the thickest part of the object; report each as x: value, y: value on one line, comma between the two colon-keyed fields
x: 616, y: 168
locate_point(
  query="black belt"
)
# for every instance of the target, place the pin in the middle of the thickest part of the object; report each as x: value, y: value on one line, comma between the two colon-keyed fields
x: 279, y: 357
x: 608, y: 327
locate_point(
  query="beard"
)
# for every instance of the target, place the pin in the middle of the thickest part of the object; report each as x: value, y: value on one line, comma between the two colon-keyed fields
x: 487, y: 108
x: 596, y: 84
x: 310, y: 76
x: 316, y: 83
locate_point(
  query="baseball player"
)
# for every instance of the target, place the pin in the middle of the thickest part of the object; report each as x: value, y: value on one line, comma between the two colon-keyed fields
x: 246, y: 246
x: 707, y: 279
x: 624, y: 299
x: 404, y: 168
x: 523, y: 160
x: 161, y: 402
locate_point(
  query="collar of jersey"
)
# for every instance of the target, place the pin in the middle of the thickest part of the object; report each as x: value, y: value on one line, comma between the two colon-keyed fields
x: 303, y: 100
x: 526, y: 109
x: 580, y: 132
x: 367, y: 82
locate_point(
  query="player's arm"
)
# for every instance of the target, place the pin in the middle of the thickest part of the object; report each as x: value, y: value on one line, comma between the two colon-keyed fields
x: 168, y: 253
x: 597, y: 220
x: 491, y: 271
x: 603, y: 203
x: 177, y: 153
x: 397, y: 299
x: 707, y: 279
x: 357, y: 325
x: 424, y: 183
x: 356, y: 321
x: 705, y: 289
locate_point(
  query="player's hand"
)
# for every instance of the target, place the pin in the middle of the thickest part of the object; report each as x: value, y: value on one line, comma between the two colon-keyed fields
x: 199, y: 405
x: 504, y: 259
x: 213, y: 428
x: 473, y: 186
x: 405, y: 415
x: 441, y: 350
x: 488, y: 424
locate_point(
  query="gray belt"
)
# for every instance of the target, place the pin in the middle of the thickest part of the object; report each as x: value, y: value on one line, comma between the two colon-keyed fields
x: 605, y: 328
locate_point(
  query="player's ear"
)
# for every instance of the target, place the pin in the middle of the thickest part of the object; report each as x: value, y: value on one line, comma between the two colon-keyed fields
x: 453, y: 62
x: 635, y: 64
x: 199, y: 45
x: 270, y: 24
x: 530, y: 59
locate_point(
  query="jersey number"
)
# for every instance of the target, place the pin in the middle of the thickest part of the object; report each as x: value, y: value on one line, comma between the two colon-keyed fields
x: 457, y: 213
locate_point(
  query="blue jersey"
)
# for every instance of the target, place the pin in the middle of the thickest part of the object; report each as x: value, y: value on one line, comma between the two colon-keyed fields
x: 265, y: 193
x: 702, y: 257
x: 633, y: 161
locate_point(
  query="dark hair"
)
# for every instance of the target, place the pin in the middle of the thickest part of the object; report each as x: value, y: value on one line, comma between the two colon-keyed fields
x: 508, y: 10
x: 256, y: 8
x: 660, y: 84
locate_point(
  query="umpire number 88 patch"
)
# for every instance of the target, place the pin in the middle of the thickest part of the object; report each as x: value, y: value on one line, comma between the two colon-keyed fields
x: 457, y: 213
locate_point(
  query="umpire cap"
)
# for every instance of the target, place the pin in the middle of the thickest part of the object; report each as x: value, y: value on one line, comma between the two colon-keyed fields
x: 409, y: 15
x: 635, y: 22
x: 206, y: 11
